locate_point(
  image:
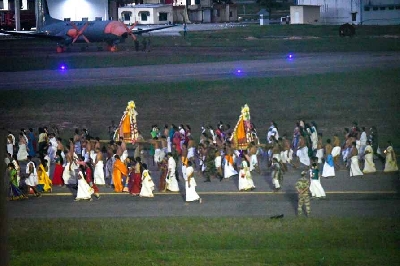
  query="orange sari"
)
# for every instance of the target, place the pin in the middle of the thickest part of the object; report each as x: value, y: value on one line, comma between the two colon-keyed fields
x: 119, y: 170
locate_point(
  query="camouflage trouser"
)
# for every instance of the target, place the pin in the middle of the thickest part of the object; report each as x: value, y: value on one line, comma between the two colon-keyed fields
x: 304, y: 199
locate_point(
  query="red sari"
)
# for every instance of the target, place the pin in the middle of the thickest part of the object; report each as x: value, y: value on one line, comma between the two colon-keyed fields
x: 135, y: 180
x: 89, y: 180
x: 57, y: 175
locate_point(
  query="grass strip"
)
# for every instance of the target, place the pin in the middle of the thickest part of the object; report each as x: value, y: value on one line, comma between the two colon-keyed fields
x: 204, y: 241
x: 333, y: 100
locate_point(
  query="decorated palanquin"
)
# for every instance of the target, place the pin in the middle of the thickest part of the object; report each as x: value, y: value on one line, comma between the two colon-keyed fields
x: 242, y: 136
x: 127, y: 128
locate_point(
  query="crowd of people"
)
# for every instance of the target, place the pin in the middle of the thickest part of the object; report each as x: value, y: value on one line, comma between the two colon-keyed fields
x: 86, y: 163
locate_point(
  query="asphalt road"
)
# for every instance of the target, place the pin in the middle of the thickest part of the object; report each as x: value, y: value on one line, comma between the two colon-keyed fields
x: 302, y: 64
x: 375, y: 195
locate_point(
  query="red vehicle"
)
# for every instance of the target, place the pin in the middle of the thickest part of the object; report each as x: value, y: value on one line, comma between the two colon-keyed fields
x: 7, y: 20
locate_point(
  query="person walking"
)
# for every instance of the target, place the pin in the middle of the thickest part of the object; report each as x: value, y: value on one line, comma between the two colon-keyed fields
x: 302, y: 187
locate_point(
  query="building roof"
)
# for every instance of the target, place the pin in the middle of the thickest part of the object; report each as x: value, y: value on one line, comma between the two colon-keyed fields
x: 146, y: 6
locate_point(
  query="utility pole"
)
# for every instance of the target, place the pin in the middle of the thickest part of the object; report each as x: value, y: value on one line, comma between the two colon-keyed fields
x: 17, y: 16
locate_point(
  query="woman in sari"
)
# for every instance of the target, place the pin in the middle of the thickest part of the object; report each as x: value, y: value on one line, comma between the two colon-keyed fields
x: 58, y: 170
x: 369, y: 165
x: 17, y: 167
x: 391, y: 161
x: 84, y: 190
x: 147, y: 183
x: 14, y: 193
x: 44, y: 182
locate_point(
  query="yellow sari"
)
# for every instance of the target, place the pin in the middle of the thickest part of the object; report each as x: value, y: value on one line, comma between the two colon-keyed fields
x: 44, y: 179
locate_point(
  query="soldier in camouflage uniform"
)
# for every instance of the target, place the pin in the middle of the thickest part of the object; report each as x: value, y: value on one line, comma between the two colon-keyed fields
x: 210, y: 170
x: 303, y: 186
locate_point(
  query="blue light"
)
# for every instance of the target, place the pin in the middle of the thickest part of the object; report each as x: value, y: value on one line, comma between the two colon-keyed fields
x: 290, y: 56
x: 63, y: 67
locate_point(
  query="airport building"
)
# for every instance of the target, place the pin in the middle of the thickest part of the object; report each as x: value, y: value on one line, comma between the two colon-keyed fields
x: 336, y: 12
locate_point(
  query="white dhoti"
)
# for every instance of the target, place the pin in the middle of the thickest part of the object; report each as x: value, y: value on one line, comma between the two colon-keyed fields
x: 253, y: 162
x: 158, y: 155
x: 354, y: 167
x: 229, y: 170
x: 99, y: 173
x: 124, y: 156
x: 284, y: 157
x: 184, y: 171
x: 84, y: 190
x: 303, y: 156
x: 320, y: 155
x: 172, y: 183
x: 275, y: 182
x: 191, y: 152
x: 316, y: 189
x: 191, y: 194
x: 169, y: 144
x: 328, y: 170
x: 68, y: 176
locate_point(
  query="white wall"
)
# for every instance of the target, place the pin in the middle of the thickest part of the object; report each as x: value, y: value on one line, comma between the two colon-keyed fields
x: 340, y: 11
x: 154, y: 14
x: 78, y: 9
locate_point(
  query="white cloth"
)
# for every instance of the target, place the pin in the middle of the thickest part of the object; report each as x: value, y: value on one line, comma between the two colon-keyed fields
x: 169, y: 144
x: 99, y: 173
x: 316, y: 188
x: 314, y: 139
x: 369, y: 165
x: 124, y: 156
x: 328, y: 170
x: 284, y: 158
x: 253, y: 162
x: 245, y: 179
x: 68, y: 176
x: 22, y: 153
x: 391, y: 163
x: 191, y: 194
x: 218, y: 162
x: 354, y: 167
x: 303, y: 156
x: 158, y: 155
x: 191, y: 152
x: 229, y: 170
x: 10, y: 149
x: 171, y: 182
x: 147, y: 185
x: 276, y: 183
x: 320, y: 155
x: 52, y: 149
x: 184, y: 171
x: 277, y: 156
x: 93, y: 156
x: 336, y: 151
x: 32, y: 179
x: 84, y: 190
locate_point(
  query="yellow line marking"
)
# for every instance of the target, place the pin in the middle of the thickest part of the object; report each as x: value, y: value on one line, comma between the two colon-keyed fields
x: 236, y: 193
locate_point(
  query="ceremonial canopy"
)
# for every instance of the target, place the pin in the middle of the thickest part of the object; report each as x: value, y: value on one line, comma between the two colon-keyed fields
x: 127, y: 128
x: 242, y: 136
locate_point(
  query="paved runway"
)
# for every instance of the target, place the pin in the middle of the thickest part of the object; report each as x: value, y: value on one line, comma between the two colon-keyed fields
x: 375, y: 195
x: 270, y: 66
